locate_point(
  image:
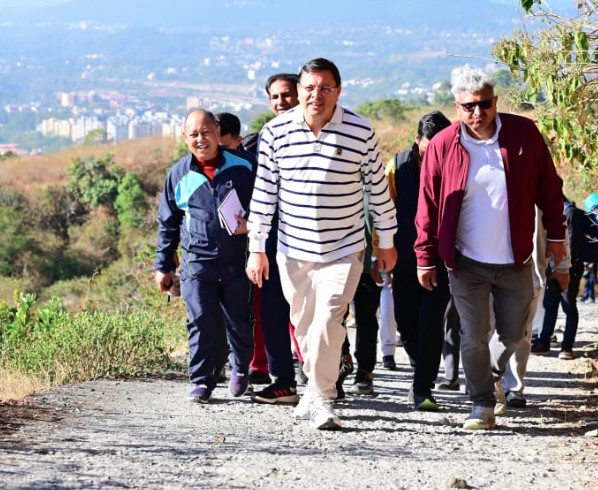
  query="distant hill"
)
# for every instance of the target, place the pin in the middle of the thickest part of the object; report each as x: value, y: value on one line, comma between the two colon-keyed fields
x: 210, y: 15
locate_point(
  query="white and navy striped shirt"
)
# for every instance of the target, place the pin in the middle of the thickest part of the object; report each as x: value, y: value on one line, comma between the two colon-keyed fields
x: 317, y: 184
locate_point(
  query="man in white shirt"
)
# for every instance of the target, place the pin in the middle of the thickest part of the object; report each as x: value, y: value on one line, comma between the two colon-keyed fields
x: 315, y: 163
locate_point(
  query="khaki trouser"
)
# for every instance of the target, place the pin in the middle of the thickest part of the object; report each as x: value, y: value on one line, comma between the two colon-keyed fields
x: 318, y: 295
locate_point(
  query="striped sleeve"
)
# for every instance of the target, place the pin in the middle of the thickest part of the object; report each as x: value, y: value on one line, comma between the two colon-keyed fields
x: 264, y: 198
x: 382, y: 208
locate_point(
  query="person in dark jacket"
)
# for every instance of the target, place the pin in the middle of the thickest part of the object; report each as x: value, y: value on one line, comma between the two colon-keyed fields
x: 481, y: 180
x: 419, y: 313
x: 567, y: 298
x: 213, y: 280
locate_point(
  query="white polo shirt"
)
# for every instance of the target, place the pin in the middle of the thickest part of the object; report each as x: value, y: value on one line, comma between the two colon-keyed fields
x: 484, y: 233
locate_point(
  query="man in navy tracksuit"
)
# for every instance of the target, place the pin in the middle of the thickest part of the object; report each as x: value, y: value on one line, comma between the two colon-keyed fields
x: 213, y: 263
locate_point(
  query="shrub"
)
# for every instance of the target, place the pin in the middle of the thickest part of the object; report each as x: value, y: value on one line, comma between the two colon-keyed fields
x: 390, y: 109
x: 130, y: 202
x: 94, y: 181
x: 48, y: 342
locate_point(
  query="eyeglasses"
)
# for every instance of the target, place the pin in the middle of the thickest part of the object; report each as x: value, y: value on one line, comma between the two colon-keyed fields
x: 482, y: 104
x: 324, y: 89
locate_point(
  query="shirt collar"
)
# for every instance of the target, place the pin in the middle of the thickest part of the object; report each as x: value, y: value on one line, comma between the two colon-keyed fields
x: 298, y: 117
x: 490, y: 141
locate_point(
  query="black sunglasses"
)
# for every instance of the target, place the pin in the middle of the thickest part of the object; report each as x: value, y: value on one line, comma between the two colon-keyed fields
x: 470, y: 106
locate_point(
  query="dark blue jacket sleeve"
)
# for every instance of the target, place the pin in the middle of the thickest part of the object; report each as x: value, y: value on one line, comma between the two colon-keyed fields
x: 170, y: 220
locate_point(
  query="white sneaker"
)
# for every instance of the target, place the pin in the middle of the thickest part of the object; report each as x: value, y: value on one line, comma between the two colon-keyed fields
x: 501, y: 400
x: 322, y: 416
x: 302, y: 408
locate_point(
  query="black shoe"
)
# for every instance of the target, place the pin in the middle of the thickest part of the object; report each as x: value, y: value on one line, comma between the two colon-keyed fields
x: 276, y: 393
x: 388, y: 362
x: 447, y: 385
x: 301, y: 377
x: 257, y: 378
x: 538, y: 348
x: 515, y: 399
x: 364, y: 383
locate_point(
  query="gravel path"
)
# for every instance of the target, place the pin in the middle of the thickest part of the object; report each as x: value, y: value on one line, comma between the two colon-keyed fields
x: 144, y: 434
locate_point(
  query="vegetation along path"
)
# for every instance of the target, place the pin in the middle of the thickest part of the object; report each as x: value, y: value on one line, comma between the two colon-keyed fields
x: 142, y: 433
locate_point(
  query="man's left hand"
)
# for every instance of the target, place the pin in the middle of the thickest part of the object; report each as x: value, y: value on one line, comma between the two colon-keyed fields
x: 556, y: 250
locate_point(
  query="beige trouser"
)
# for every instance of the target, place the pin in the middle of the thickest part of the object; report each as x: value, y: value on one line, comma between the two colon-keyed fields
x: 318, y: 295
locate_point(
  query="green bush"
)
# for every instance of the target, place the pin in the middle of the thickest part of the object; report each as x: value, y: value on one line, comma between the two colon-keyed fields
x: 390, y: 109
x: 130, y: 202
x: 48, y: 342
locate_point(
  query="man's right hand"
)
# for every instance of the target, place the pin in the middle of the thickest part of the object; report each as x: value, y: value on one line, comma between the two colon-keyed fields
x: 164, y: 280
x: 258, y: 268
x: 427, y: 278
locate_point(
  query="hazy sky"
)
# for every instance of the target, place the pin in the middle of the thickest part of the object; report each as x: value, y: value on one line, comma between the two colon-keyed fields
x: 30, y: 3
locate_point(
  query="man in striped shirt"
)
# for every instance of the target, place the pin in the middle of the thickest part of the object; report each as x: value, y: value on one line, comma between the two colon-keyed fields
x: 315, y: 162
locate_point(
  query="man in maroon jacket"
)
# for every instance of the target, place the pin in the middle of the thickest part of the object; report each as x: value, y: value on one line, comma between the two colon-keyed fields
x: 480, y: 180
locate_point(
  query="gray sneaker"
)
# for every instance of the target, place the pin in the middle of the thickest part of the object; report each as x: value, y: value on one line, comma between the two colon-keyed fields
x: 480, y: 418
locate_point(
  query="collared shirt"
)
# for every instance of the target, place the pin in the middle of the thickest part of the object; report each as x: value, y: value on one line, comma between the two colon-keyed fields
x: 484, y: 233
x: 318, y: 184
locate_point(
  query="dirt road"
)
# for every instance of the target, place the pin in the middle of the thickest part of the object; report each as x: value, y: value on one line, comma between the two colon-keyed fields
x: 144, y: 434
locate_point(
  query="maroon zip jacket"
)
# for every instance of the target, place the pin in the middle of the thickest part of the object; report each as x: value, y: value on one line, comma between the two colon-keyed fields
x: 531, y: 180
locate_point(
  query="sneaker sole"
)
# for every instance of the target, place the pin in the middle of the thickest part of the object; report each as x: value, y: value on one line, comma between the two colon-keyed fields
x: 194, y: 399
x: 280, y: 399
x: 330, y: 424
x: 478, y: 425
x: 361, y: 391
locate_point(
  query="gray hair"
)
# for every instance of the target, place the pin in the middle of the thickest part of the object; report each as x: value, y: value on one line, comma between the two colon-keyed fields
x: 468, y: 79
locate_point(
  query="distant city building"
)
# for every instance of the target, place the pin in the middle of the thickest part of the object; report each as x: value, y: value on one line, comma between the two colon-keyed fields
x: 84, y: 125
x: 56, y: 127
x: 117, y: 128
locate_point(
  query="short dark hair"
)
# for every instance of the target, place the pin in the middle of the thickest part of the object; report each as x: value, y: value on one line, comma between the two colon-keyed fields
x: 229, y: 124
x: 321, y: 64
x: 285, y: 77
x: 432, y: 123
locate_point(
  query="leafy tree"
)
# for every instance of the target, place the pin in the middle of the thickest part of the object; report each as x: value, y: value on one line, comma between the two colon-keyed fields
x: 258, y: 123
x: 442, y: 94
x: 130, y: 203
x: 16, y: 243
x: 95, y: 137
x: 94, y: 181
x: 52, y: 212
x: 390, y: 109
x: 556, y: 68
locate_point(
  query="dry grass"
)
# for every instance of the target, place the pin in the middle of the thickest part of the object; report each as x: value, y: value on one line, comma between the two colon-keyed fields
x: 147, y: 156
x: 15, y: 386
